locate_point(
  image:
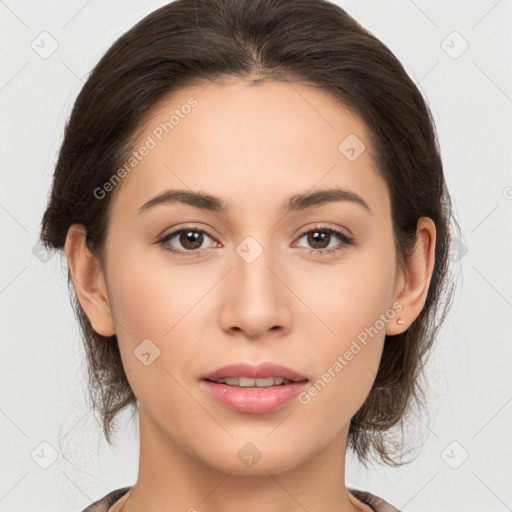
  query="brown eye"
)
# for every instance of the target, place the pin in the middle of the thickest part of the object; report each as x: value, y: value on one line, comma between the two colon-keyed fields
x: 319, y: 239
x: 190, y: 240
x: 185, y: 240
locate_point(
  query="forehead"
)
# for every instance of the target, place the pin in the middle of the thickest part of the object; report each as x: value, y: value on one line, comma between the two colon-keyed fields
x: 252, y: 145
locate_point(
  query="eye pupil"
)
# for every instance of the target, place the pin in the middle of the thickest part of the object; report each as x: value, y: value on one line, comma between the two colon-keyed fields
x: 194, y: 236
x: 316, y: 237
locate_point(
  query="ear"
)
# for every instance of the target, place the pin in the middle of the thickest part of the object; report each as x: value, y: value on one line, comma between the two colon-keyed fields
x: 88, y: 280
x: 412, y: 284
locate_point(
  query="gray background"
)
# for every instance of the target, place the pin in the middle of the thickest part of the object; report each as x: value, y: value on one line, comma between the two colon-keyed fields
x: 53, y: 456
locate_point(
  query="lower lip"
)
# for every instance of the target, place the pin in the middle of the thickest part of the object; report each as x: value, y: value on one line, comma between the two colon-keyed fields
x: 252, y: 399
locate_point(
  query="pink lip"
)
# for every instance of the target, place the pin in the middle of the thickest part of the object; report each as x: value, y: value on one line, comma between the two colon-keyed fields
x: 253, y: 399
x: 260, y: 371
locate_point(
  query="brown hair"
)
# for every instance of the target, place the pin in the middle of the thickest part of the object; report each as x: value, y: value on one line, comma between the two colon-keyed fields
x: 190, y: 42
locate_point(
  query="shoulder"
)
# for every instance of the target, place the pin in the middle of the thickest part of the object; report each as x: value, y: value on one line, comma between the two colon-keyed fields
x: 374, y: 502
x: 103, y: 504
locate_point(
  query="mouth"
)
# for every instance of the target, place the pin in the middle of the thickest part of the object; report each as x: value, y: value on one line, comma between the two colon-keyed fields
x: 253, y: 389
x: 247, y: 382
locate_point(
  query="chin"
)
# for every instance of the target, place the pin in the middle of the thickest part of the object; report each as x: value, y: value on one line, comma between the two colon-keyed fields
x: 253, y: 458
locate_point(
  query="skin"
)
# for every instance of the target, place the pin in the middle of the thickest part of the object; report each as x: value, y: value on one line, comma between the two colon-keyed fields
x: 254, y: 147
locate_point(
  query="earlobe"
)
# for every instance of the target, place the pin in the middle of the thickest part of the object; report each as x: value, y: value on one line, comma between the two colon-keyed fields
x: 414, y: 282
x: 88, y: 281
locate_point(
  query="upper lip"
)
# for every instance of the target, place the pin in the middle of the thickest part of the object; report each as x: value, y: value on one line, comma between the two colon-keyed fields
x: 261, y: 371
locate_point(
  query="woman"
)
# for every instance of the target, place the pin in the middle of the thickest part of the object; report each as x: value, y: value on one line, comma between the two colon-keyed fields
x: 252, y: 205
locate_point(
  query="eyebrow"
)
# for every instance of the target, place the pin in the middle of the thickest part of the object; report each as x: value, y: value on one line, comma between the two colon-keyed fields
x: 294, y: 203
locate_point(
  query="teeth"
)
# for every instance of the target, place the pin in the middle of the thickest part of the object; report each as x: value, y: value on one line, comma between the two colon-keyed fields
x: 246, y: 382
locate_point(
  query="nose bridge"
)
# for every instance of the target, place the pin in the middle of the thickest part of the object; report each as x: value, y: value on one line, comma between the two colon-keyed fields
x: 253, y: 261
x: 256, y: 298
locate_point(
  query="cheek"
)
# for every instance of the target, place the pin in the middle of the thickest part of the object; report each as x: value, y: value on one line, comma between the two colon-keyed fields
x: 351, y: 296
x: 346, y: 362
x: 153, y: 309
x: 148, y: 296
x: 153, y: 301
x: 353, y: 302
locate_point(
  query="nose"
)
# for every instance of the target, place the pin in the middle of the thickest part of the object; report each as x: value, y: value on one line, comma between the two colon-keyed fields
x: 255, y: 298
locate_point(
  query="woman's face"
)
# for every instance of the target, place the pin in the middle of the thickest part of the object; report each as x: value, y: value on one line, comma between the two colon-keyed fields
x: 262, y: 281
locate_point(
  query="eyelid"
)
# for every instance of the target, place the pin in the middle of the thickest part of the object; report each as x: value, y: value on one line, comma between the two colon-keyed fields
x: 326, y: 227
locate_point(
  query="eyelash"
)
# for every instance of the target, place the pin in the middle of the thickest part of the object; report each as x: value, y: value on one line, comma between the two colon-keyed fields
x: 345, y: 239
